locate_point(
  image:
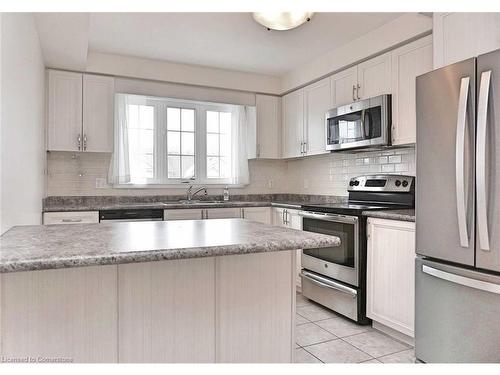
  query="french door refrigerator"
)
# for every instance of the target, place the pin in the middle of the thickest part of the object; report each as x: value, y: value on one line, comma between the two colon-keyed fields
x: 457, y: 279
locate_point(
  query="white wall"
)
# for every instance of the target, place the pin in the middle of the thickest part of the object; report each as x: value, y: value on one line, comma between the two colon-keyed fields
x: 22, y: 121
x: 128, y: 66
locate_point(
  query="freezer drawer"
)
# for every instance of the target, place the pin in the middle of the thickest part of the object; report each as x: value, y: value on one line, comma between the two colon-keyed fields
x: 457, y: 317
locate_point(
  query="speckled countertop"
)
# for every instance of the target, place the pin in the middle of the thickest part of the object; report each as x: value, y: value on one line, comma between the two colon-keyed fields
x: 39, y: 247
x: 402, y: 215
x: 96, y: 203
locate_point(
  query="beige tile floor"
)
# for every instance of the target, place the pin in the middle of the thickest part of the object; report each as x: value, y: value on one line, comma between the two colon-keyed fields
x: 323, y: 336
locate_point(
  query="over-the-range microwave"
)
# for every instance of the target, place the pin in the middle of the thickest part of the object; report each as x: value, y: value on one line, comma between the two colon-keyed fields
x: 362, y: 124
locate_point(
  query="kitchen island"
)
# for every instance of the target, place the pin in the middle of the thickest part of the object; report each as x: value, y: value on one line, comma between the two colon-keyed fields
x: 176, y: 291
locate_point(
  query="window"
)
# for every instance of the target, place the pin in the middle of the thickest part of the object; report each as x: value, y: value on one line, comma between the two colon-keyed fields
x: 180, y: 143
x: 141, y: 141
x: 160, y: 141
x: 218, y: 144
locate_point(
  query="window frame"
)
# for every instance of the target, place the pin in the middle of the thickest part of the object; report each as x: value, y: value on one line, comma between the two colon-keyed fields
x: 161, y: 179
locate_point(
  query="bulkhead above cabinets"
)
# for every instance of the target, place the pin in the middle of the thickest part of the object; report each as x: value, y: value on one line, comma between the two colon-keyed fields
x: 80, y: 112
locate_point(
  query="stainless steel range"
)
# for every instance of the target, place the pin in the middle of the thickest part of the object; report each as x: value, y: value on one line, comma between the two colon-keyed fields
x: 336, y: 277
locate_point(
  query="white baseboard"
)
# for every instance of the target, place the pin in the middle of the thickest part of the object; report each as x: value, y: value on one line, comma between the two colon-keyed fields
x: 393, y: 333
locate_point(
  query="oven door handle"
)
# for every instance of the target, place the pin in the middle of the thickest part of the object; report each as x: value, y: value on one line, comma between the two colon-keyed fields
x: 329, y: 217
x: 326, y: 283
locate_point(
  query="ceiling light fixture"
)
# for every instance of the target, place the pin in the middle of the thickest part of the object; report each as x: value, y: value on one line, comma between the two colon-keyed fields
x: 282, y: 20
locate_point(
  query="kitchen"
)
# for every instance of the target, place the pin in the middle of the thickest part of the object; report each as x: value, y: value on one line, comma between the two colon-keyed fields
x: 286, y: 206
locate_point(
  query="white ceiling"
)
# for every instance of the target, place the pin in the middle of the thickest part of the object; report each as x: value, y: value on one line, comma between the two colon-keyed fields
x: 226, y: 40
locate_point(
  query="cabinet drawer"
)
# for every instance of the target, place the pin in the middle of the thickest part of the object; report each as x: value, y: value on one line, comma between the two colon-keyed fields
x: 71, y: 217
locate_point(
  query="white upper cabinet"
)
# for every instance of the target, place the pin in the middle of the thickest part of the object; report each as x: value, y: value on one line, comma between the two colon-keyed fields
x: 80, y: 112
x: 459, y: 36
x: 293, y: 124
x: 98, y: 100
x: 343, y: 85
x: 64, y: 132
x: 374, y: 77
x: 268, y: 126
x: 317, y: 102
x: 408, y: 62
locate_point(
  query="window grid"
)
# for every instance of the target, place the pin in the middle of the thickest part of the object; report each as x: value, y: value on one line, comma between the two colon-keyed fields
x: 218, y: 128
x: 141, y: 141
x: 181, y: 154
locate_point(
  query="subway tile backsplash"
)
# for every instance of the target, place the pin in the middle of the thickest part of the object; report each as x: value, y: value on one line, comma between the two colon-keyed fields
x: 79, y: 174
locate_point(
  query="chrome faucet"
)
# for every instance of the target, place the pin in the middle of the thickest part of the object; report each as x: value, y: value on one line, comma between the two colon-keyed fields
x: 190, y: 194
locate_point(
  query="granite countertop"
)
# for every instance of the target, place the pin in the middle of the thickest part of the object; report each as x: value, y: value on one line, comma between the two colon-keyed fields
x: 96, y: 203
x: 37, y: 247
x: 402, y: 215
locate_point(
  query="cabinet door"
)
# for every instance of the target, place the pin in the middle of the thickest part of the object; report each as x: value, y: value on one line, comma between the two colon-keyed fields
x: 391, y: 274
x: 260, y: 214
x: 293, y: 124
x: 343, y: 86
x: 293, y: 219
x: 98, y: 107
x: 459, y: 36
x: 374, y: 77
x: 316, y: 102
x: 408, y: 62
x: 278, y: 216
x: 64, y: 128
x: 167, y: 311
x: 268, y: 126
x: 183, y: 214
x: 61, y: 313
x: 223, y: 213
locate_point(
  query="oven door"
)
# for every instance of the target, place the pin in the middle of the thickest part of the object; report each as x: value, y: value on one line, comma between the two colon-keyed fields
x: 361, y: 124
x: 342, y: 262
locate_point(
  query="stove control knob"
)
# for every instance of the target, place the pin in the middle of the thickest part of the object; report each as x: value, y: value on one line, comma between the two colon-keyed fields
x: 405, y: 183
x: 398, y: 183
x: 356, y: 183
x: 351, y: 183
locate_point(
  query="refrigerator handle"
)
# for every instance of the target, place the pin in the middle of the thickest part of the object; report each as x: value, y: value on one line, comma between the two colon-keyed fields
x: 460, y: 163
x: 462, y: 280
x: 482, y: 111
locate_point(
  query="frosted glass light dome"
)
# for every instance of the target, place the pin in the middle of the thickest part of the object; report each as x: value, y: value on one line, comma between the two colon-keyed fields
x: 282, y: 20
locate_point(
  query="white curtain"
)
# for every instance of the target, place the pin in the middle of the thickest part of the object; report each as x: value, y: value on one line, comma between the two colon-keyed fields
x: 119, y: 168
x: 246, y: 116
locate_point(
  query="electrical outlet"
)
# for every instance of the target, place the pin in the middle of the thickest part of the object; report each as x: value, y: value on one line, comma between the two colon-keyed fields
x: 270, y: 183
x: 101, y: 183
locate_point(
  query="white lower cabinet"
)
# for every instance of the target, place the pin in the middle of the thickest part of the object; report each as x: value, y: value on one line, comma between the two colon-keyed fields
x: 260, y: 214
x: 74, y: 217
x: 222, y: 213
x: 183, y: 214
x: 391, y: 274
x: 285, y: 217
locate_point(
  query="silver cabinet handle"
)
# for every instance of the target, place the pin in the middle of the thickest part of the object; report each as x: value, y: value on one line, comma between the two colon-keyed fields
x: 286, y: 216
x: 460, y: 163
x: 71, y: 220
x: 354, y: 92
x: 242, y: 213
x: 283, y: 217
x: 84, y: 142
x: 305, y: 148
x: 324, y: 282
x: 79, y: 141
x: 482, y: 110
x: 461, y: 280
x: 357, y: 91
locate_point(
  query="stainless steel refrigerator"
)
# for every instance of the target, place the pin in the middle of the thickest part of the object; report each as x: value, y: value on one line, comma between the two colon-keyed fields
x: 457, y: 279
